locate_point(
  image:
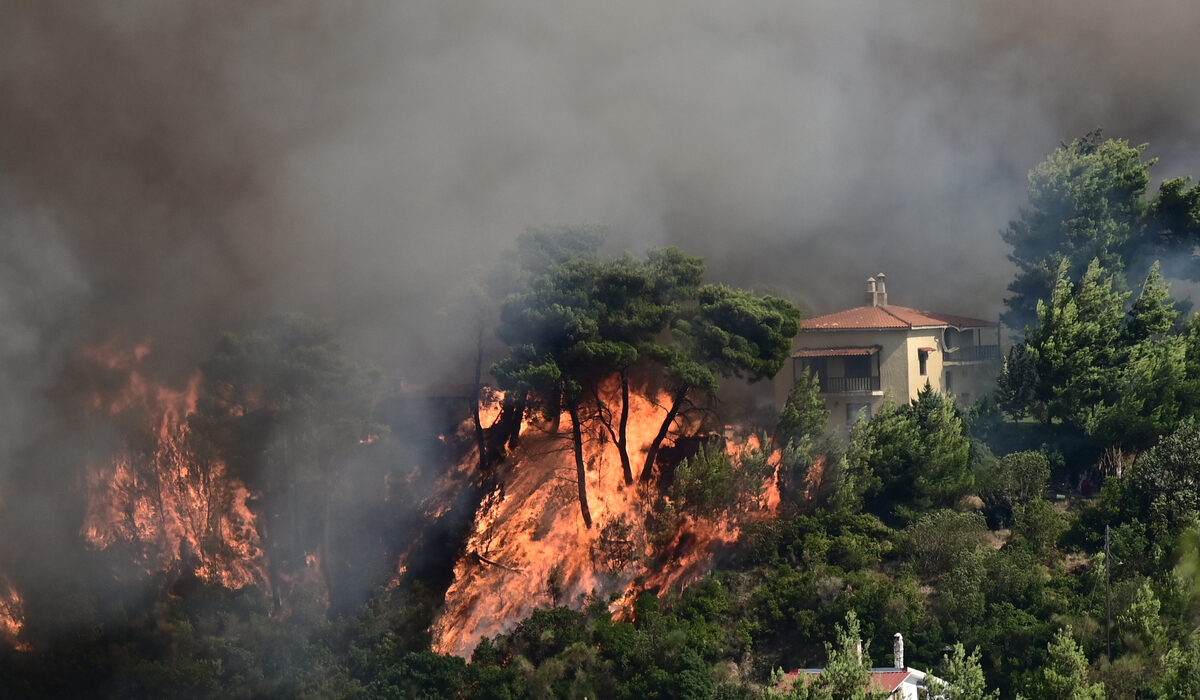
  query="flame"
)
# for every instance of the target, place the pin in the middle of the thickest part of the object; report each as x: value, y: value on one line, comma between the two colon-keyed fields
x: 12, y: 613
x: 529, y: 547
x: 173, y: 507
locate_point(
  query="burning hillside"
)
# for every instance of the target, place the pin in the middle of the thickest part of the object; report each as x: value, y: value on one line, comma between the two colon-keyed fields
x: 162, y: 503
x: 529, y: 547
x: 158, y: 496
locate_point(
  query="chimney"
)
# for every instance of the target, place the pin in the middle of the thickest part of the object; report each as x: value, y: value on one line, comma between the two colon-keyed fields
x: 898, y: 650
x: 871, y: 291
x: 880, y: 290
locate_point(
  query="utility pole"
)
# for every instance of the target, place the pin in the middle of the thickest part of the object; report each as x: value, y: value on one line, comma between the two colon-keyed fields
x: 1107, y: 594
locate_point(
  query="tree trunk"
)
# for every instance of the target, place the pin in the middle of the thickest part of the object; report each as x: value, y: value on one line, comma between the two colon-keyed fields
x: 580, y: 470
x: 622, y: 432
x: 480, y: 441
x: 656, y: 443
x: 514, y: 436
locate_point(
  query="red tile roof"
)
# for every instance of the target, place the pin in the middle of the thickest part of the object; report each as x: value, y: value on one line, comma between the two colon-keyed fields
x: 888, y: 317
x: 886, y: 680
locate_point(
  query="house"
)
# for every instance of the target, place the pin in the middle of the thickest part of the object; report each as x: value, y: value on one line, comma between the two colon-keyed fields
x: 899, y: 682
x: 879, y: 351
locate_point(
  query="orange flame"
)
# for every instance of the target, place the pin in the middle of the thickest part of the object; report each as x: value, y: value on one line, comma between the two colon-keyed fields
x: 175, y: 508
x: 12, y: 613
x: 530, y: 548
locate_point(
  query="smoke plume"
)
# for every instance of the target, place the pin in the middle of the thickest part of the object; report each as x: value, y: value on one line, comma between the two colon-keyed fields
x: 169, y: 170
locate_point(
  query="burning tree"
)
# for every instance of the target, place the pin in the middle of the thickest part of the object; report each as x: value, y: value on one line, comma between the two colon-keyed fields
x: 581, y: 320
x: 284, y: 408
x: 721, y: 332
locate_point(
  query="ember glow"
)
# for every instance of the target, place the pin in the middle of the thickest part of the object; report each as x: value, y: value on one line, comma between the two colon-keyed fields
x: 12, y: 612
x: 171, y: 507
x: 529, y: 547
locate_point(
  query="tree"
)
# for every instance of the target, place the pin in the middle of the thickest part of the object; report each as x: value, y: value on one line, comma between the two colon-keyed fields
x: 962, y: 677
x: 1073, y: 346
x: 915, y: 456
x: 284, y: 408
x: 936, y: 538
x: 726, y: 332
x: 538, y: 252
x: 582, y: 320
x: 1163, y: 486
x: 1175, y: 216
x: 804, y: 415
x: 1086, y: 202
x: 1016, y: 386
x: 557, y: 352
x: 846, y: 676
x: 636, y: 302
x: 1065, y: 675
x: 1013, y: 480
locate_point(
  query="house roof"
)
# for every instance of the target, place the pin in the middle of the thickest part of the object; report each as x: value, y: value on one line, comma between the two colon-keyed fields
x: 888, y: 680
x: 889, y: 317
x: 882, y: 679
x: 838, y: 352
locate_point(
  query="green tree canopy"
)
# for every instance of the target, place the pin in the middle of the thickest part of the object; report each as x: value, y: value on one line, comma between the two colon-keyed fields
x: 1087, y: 201
x: 724, y: 332
x: 283, y: 407
x: 915, y: 456
x: 1066, y: 674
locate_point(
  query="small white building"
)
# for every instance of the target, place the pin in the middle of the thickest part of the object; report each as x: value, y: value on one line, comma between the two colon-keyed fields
x: 899, y: 682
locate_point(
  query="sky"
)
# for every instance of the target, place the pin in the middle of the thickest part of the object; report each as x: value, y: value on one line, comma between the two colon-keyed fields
x: 171, y: 170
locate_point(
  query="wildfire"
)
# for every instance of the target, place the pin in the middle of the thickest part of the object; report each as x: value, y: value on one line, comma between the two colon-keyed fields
x: 530, y: 548
x: 174, y: 507
x: 12, y: 612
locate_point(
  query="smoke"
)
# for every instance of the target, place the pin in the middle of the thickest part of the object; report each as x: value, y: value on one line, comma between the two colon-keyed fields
x: 172, y: 169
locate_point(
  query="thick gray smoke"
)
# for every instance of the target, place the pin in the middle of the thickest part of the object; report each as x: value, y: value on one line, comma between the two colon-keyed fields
x: 172, y: 169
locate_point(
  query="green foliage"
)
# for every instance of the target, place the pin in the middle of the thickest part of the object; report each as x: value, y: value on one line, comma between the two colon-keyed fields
x: 710, y: 482
x: 1017, y: 384
x: 1140, y: 618
x: 1180, y: 673
x: 1086, y: 202
x: 1039, y: 526
x: 914, y: 457
x: 1089, y: 234
x: 1162, y: 485
x: 1072, y: 346
x: 1120, y: 378
x: 935, y: 539
x: 1013, y: 480
x: 846, y: 674
x: 805, y: 415
x: 741, y: 333
x: 962, y: 677
x: 285, y: 410
x: 1066, y: 674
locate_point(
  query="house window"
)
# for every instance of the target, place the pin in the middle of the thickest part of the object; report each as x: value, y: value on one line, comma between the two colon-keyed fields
x: 923, y: 361
x: 949, y: 381
x: 858, y: 366
x: 856, y: 412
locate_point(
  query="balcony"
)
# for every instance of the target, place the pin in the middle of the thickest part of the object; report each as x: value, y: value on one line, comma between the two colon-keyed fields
x: 849, y: 385
x: 974, y: 353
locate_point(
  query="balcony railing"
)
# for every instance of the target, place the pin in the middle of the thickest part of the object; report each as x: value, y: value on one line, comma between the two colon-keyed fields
x: 849, y: 385
x: 974, y: 353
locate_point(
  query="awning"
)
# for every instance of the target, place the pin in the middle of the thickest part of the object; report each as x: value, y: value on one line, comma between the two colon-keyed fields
x: 837, y: 352
x: 927, y: 349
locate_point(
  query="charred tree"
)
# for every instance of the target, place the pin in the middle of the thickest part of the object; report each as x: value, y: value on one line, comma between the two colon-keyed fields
x: 580, y: 469
x: 656, y: 444
x: 476, y: 397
